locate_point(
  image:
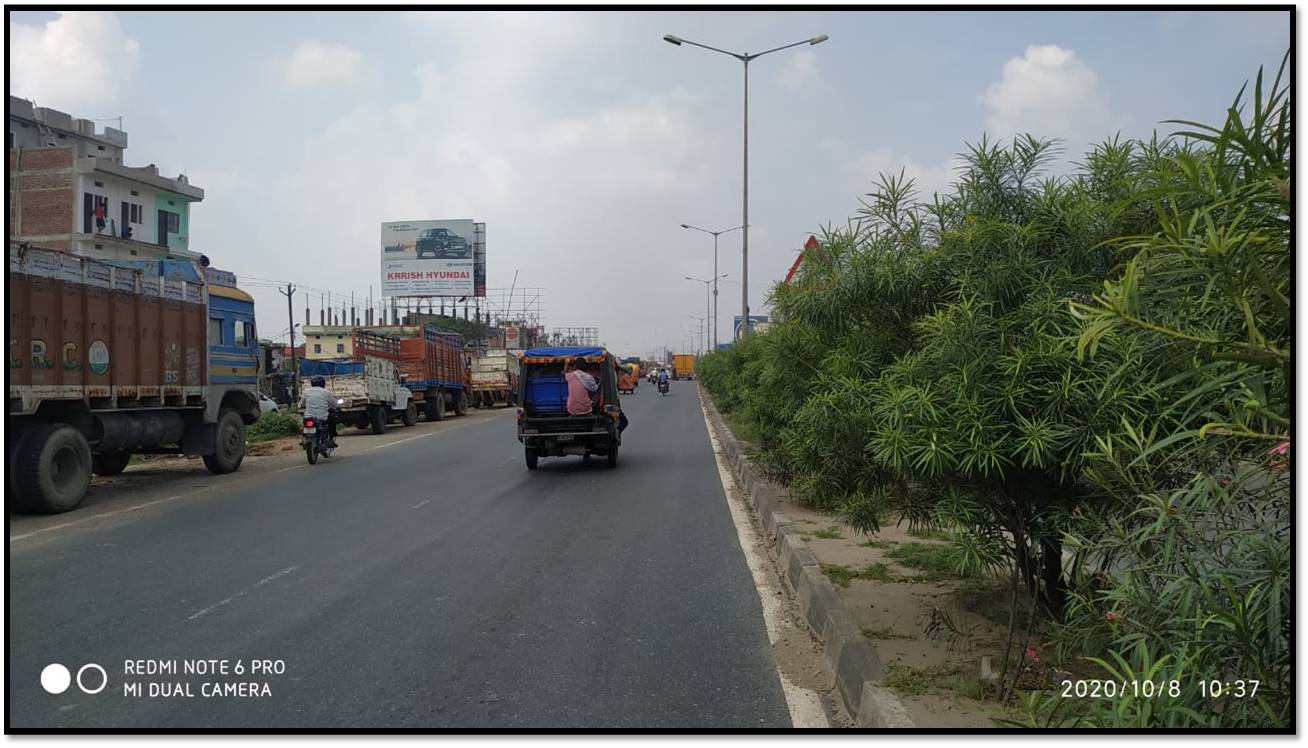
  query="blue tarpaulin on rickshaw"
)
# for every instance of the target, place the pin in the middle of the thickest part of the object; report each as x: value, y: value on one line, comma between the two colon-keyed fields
x: 562, y: 352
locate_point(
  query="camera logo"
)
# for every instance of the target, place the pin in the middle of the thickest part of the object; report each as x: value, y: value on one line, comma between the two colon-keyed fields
x: 55, y: 678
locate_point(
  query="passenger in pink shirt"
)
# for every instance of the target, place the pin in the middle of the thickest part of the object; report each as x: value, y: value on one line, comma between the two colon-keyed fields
x: 580, y: 387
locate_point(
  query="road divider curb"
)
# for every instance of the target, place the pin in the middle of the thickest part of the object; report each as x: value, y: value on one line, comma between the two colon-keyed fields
x: 852, y: 657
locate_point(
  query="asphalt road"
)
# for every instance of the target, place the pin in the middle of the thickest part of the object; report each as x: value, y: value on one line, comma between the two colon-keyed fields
x: 426, y: 581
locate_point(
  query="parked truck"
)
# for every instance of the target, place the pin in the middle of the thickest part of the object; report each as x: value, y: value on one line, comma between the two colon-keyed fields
x: 432, y: 364
x: 683, y: 366
x: 107, y: 360
x: 370, y: 388
x: 495, y: 378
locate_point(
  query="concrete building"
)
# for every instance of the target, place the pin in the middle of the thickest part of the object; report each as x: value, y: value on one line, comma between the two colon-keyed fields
x: 328, y: 341
x: 69, y: 189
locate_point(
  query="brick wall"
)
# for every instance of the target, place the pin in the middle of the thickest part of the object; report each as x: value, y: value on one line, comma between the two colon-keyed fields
x: 43, y: 187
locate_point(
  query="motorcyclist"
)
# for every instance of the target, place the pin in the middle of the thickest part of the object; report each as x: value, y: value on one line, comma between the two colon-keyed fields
x: 320, y: 404
x: 663, y: 376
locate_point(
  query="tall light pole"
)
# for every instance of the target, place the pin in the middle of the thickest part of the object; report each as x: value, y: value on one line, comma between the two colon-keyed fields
x: 716, y: 320
x: 702, y: 320
x: 707, y: 282
x: 744, y: 243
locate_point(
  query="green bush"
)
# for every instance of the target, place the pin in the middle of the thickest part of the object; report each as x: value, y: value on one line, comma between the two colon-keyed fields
x: 273, y: 425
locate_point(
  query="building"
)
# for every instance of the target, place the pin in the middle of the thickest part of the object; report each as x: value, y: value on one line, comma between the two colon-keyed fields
x: 328, y: 341
x: 69, y: 189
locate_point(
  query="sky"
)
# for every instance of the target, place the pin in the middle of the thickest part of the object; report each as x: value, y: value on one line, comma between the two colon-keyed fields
x: 584, y: 141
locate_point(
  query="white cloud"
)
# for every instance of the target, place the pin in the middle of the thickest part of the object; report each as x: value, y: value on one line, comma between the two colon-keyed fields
x: 1049, y: 92
x: 799, y: 69
x: 927, y: 178
x: 75, y: 62
x: 316, y: 64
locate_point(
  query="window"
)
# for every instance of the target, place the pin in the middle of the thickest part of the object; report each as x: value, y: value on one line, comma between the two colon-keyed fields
x: 100, y: 147
x: 135, y: 193
x: 174, y: 224
x: 340, y: 348
x: 239, y: 327
x: 317, y: 348
x: 135, y: 213
x: 215, y: 331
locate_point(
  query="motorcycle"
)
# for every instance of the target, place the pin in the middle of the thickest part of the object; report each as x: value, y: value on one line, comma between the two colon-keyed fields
x: 315, y: 434
x: 663, y: 387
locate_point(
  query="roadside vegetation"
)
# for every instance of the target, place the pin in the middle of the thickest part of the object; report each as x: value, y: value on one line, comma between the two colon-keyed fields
x: 1082, y: 381
x: 275, y: 424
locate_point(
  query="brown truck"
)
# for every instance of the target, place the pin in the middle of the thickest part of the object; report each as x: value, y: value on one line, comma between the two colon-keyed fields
x: 110, y: 359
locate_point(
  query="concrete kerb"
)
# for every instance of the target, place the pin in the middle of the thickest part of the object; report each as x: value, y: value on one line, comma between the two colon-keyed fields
x: 851, y: 656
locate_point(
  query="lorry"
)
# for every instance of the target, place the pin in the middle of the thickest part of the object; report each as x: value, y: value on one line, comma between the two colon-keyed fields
x: 683, y: 366
x: 110, y: 359
x: 495, y: 378
x: 370, y: 387
x: 431, y: 363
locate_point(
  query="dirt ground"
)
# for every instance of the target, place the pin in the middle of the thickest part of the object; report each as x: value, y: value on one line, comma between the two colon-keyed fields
x: 930, y: 642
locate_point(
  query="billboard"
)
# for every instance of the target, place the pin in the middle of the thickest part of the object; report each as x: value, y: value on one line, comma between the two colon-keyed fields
x: 428, y: 258
x: 757, y: 323
x: 479, y: 259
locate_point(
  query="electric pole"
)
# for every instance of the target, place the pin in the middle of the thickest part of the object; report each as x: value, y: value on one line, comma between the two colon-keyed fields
x: 295, y: 367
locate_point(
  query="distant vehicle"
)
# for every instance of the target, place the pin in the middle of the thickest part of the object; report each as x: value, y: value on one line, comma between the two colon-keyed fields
x: 442, y: 243
x: 495, y: 378
x: 683, y: 366
x: 267, y: 404
x: 370, y: 390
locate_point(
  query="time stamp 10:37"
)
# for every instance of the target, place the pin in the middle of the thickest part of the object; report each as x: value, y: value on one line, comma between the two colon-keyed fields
x: 1149, y: 689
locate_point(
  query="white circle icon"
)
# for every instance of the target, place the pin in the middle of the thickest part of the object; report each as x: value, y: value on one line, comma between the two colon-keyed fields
x: 55, y: 678
x: 104, y: 678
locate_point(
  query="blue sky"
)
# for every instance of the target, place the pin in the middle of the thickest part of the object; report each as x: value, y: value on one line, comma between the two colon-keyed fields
x: 584, y: 140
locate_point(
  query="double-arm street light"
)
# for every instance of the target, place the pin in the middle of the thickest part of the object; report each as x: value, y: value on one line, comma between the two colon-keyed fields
x: 744, y: 242
x: 716, y: 234
x: 714, y: 283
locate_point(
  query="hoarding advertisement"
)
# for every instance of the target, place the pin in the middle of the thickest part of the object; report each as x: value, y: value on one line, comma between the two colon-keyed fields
x: 428, y: 258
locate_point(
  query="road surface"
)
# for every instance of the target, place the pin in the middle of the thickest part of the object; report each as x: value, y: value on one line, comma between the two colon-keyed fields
x: 421, y: 579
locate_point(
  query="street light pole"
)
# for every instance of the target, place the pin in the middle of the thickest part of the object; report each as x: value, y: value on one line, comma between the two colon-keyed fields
x: 744, y: 244
x: 707, y: 282
x: 715, y: 234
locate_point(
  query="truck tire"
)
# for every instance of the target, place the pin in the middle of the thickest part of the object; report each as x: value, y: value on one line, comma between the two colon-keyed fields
x: 377, y: 418
x: 435, y: 405
x: 613, y: 456
x: 461, y: 404
x: 228, y: 443
x: 54, y: 468
x: 110, y: 463
x: 410, y: 416
x: 533, y: 459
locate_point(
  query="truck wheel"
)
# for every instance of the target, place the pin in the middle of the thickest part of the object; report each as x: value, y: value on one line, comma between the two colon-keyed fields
x: 461, y: 404
x: 54, y: 468
x: 532, y: 458
x: 377, y: 416
x: 229, y: 443
x: 410, y: 414
x: 435, y: 405
x: 613, y: 456
x: 110, y: 463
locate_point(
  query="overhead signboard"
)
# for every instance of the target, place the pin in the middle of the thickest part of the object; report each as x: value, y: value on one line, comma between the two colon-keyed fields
x: 757, y: 323
x: 429, y: 258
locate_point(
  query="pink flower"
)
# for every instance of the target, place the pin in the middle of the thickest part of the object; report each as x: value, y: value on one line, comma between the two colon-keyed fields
x: 1111, y: 616
x: 1032, y: 655
x: 1279, y: 449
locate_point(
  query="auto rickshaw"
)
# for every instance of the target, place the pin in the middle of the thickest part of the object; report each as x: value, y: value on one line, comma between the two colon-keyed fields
x: 628, y: 379
x: 545, y: 427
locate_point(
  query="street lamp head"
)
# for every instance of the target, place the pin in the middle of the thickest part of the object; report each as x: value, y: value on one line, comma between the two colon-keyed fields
x: 815, y: 40
x: 670, y: 39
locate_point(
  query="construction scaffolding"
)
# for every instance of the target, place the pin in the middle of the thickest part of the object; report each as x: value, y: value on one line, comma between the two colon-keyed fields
x: 585, y: 337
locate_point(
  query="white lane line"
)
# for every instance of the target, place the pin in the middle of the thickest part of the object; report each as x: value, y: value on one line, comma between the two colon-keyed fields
x: 401, y: 441
x: 103, y: 515
x: 254, y: 586
x: 421, y: 504
x: 293, y: 467
x: 804, y: 704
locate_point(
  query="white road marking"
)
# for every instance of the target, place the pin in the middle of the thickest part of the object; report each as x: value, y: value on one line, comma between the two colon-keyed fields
x: 401, y: 441
x: 256, y: 585
x: 804, y: 704
x: 293, y: 467
x: 102, y: 515
x: 421, y: 504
